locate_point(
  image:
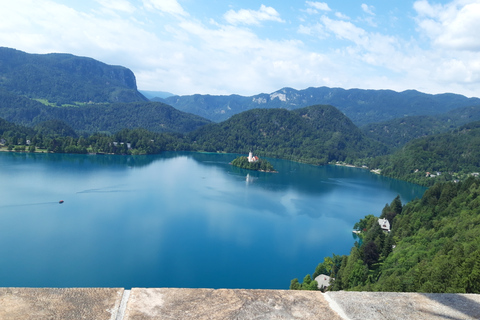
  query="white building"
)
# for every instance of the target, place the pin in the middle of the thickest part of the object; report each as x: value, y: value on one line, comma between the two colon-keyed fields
x: 384, y: 224
x: 251, y: 157
x: 323, y: 281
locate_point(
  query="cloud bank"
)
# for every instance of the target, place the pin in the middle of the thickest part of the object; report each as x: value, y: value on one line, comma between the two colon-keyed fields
x: 174, y: 46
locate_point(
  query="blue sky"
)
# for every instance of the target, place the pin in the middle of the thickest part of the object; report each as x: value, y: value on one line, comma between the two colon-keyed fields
x: 250, y: 47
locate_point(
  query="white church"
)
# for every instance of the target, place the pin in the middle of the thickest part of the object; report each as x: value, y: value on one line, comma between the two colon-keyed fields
x: 251, y: 157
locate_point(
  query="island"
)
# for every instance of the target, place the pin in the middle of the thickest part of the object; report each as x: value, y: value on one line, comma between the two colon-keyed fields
x: 253, y: 163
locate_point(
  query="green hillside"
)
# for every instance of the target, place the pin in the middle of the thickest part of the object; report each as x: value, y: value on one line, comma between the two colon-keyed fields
x: 56, y: 136
x: 433, y: 246
x: 316, y: 134
x: 112, y: 117
x: 446, y: 156
x: 65, y: 78
x: 397, y: 132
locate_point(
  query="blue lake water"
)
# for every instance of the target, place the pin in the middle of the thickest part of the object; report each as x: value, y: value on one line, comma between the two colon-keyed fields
x: 177, y: 219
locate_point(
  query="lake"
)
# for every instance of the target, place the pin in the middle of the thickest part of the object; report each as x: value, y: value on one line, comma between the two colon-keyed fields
x: 177, y: 219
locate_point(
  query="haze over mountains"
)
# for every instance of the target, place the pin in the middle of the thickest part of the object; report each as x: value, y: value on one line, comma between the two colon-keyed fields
x: 90, y: 96
x: 361, y: 106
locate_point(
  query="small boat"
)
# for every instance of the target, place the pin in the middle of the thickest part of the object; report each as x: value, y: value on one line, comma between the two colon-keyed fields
x: 61, y: 201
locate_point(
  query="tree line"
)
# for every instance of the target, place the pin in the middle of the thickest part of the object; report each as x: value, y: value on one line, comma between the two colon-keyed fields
x: 433, y: 246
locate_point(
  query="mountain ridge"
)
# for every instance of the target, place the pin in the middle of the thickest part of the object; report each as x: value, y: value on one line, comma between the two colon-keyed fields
x: 360, y: 105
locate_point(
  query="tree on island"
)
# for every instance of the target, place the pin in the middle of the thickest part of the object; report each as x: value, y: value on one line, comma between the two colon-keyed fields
x: 258, y: 164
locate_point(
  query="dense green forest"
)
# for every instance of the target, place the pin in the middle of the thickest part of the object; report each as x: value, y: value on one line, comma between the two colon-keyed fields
x: 443, y: 157
x: 316, y: 134
x: 65, y: 78
x: 433, y: 246
x: 397, y: 132
x: 56, y: 136
x: 90, y: 118
x: 259, y: 165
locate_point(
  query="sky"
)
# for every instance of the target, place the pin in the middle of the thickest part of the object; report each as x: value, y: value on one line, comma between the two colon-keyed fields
x: 248, y: 47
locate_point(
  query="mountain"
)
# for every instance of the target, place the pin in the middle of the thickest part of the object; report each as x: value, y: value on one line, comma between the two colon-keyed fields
x: 316, y: 134
x: 65, y: 78
x: 156, y: 94
x: 397, y: 132
x: 361, y: 106
x: 112, y: 117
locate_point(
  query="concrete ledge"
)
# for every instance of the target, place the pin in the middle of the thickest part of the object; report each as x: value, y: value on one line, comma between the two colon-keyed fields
x: 227, y: 304
x: 166, y: 303
x: 53, y: 303
x: 393, y: 305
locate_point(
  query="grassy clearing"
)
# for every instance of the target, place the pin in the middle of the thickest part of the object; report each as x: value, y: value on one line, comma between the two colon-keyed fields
x: 54, y: 105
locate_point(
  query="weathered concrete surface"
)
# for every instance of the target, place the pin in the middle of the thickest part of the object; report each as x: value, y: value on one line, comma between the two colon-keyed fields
x: 412, y: 306
x: 54, y: 303
x: 226, y: 304
x: 166, y: 303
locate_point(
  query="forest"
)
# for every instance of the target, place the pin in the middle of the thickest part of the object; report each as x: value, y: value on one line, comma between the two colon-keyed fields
x: 443, y: 157
x: 56, y: 136
x: 433, y: 246
x: 65, y: 78
x: 92, y: 118
x: 397, y: 132
x: 316, y: 135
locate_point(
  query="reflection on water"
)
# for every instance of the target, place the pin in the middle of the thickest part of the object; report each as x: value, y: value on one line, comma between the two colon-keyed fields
x: 177, y: 219
x: 29, y: 204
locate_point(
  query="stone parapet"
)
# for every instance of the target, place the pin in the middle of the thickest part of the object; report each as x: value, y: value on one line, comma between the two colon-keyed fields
x: 177, y: 303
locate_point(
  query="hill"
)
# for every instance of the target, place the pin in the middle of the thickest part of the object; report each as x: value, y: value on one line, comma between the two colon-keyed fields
x: 316, y: 134
x: 445, y: 156
x: 65, y: 78
x: 433, y: 246
x: 113, y: 117
x: 397, y: 132
x: 58, y: 137
x: 156, y: 94
x: 361, y: 106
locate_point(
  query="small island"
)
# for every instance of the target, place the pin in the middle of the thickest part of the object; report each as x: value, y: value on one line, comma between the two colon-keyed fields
x: 253, y: 163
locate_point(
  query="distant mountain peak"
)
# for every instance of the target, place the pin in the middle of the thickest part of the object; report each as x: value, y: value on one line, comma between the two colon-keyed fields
x: 361, y: 106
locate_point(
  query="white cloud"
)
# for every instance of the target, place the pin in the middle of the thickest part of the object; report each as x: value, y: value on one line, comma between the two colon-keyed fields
x: 252, y: 17
x: 117, y: 5
x: 368, y: 9
x: 319, y: 5
x: 344, y: 29
x: 167, y: 6
x: 452, y: 26
x: 341, y: 16
x: 187, y: 56
x: 317, y: 30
